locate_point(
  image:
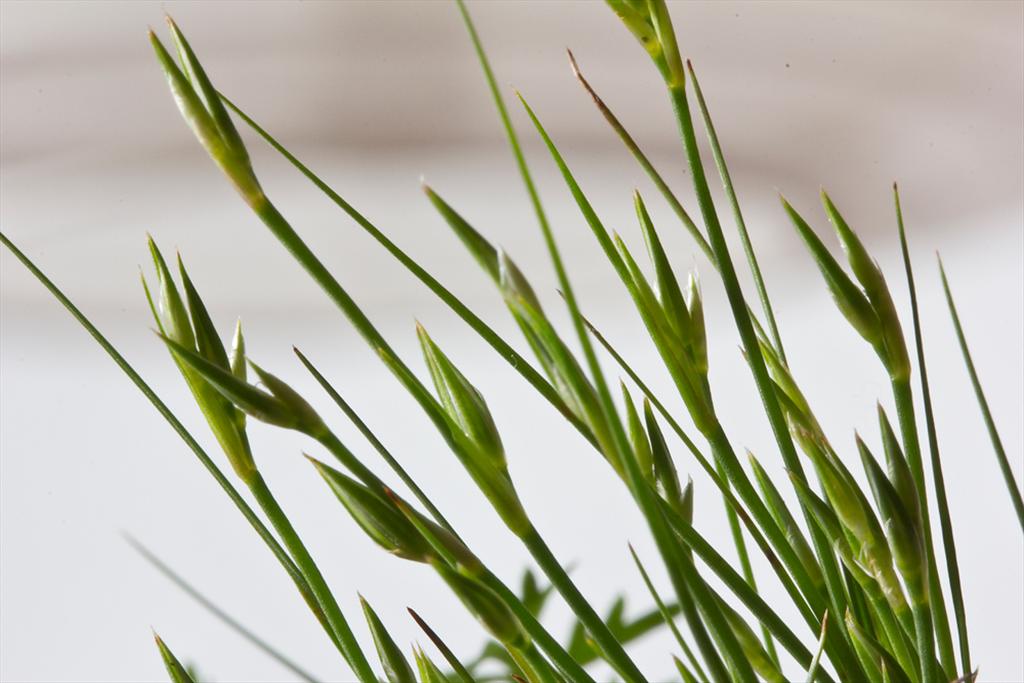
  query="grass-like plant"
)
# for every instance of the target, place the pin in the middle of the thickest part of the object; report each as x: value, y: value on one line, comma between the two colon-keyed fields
x: 861, y: 566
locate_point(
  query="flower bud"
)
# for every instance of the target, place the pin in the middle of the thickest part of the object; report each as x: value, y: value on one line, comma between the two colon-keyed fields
x: 282, y: 407
x: 464, y: 405
x: 377, y: 516
x: 893, y: 350
x: 905, y: 542
x: 193, y: 330
x: 488, y: 608
x: 206, y: 115
x: 848, y: 297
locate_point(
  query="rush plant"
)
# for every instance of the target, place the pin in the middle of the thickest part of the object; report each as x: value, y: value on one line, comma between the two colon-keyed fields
x: 871, y: 572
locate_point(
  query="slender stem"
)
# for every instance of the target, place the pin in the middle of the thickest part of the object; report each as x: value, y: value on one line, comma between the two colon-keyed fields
x: 290, y: 538
x: 216, y: 611
x: 510, y: 355
x: 748, y: 570
x: 948, y: 541
x: 590, y: 619
x: 232, y: 493
x: 741, y: 225
x: 756, y: 361
x: 925, y: 641
x: 669, y: 619
x: 986, y: 413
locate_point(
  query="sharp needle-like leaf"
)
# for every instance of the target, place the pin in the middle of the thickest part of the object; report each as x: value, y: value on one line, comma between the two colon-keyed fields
x: 669, y: 620
x: 175, y: 670
x: 216, y: 611
x: 443, y: 648
x: 948, y: 540
x: 997, y: 443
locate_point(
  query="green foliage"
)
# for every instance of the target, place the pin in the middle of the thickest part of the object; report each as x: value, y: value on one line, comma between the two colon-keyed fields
x: 865, y: 555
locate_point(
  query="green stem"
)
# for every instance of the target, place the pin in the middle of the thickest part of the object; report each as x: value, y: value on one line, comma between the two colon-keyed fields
x: 350, y: 647
x: 925, y: 642
x: 938, y: 619
x: 216, y: 611
x: 948, y: 541
x: 741, y: 225
x: 590, y: 619
x: 748, y: 570
x: 756, y: 361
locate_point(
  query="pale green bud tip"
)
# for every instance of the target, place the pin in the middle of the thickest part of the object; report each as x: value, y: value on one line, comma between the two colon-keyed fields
x: 306, y: 419
x: 200, y: 105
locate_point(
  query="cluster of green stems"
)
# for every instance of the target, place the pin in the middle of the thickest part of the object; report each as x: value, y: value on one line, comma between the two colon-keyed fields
x: 872, y: 567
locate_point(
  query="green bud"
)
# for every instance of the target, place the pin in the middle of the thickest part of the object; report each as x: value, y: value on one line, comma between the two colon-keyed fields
x: 893, y: 350
x: 905, y: 542
x: 396, y: 668
x: 488, y: 608
x: 561, y: 366
x: 463, y: 403
x: 377, y: 516
x: 686, y: 501
x: 848, y: 297
x: 675, y: 76
x: 306, y: 419
x: 827, y: 521
x: 206, y: 115
x: 784, y: 380
x: 282, y: 407
x: 193, y: 331
x: 238, y: 367
x: 635, y: 15
x: 172, y: 317
x: 475, y: 438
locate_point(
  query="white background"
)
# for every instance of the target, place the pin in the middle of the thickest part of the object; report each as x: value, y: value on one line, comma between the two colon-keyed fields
x: 846, y: 95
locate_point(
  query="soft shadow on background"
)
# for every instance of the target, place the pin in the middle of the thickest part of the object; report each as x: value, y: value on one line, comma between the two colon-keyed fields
x: 850, y: 96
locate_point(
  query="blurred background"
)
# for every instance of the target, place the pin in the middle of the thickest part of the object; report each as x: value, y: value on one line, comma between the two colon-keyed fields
x: 374, y: 96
